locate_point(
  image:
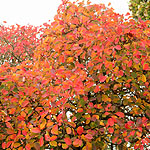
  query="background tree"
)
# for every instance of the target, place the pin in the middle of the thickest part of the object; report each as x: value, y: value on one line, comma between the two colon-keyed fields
x: 17, y: 43
x: 140, y: 9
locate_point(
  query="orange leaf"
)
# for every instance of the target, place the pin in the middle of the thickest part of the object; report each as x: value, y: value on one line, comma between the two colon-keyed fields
x: 55, y: 130
x: 110, y: 130
x: 68, y: 140
x: 35, y: 130
x: 42, y: 125
x: 80, y: 130
x: 50, y: 124
x: 53, y: 138
x: 143, y: 78
x: 68, y: 130
x: 109, y: 4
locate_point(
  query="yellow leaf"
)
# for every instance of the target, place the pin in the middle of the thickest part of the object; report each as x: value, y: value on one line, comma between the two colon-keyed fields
x: 16, y: 145
x: 143, y: 78
x: 68, y: 130
x: 64, y: 146
x: 70, y: 59
x: 105, y: 98
x: 50, y: 124
x: 53, y: 143
x: 101, y: 123
x: 89, y: 146
x: 42, y: 125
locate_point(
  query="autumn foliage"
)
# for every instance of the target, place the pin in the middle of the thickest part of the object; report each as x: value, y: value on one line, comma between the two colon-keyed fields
x: 140, y: 9
x: 17, y: 43
x: 86, y: 86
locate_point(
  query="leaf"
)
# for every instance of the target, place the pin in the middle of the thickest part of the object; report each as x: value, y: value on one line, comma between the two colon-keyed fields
x: 42, y: 125
x: 55, y: 130
x: 35, y: 130
x: 102, y: 78
x: 88, y: 136
x: 10, y: 131
x: 64, y: 146
x: 118, y: 47
x: 25, y: 103
x: 130, y: 63
x: 68, y: 130
x: 47, y: 137
x: 110, y: 121
x: 41, y: 141
x: 143, y: 78
x: 53, y: 143
x: 77, y: 143
x: 105, y: 98
x: 52, y: 138
x: 16, y: 145
x: 146, y: 67
x: 68, y: 141
x: 3, y: 145
x: 37, y: 146
x: 110, y: 130
x: 49, y: 124
x: 28, y: 147
x: 88, y: 146
x: 120, y: 114
x: 80, y: 130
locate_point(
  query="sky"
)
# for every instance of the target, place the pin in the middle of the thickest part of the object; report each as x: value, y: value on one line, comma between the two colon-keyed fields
x: 37, y: 12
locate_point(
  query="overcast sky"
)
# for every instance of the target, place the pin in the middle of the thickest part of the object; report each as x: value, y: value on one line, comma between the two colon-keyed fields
x: 37, y: 12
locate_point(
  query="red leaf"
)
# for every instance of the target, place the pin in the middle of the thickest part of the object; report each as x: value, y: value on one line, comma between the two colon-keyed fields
x: 110, y: 130
x: 47, y: 137
x: 41, y: 141
x: 130, y: 63
x: 80, y: 130
x: 77, y: 142
x: 4, y: 145
x: 146, y: 67
x: 127, y: 14
x: 35, y: 130
x: 111, y: 121
x: 120, y: 114
x: 102, y: 78
x: 68, y: 140
x: 25, y: 103
x: 118, y: 47
x: 88, y: 136
x: 28, y: 147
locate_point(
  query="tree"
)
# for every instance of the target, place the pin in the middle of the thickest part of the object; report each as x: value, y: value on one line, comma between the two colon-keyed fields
x: 140, y: 9
x: 92, y: 65
x: 17, y: 43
